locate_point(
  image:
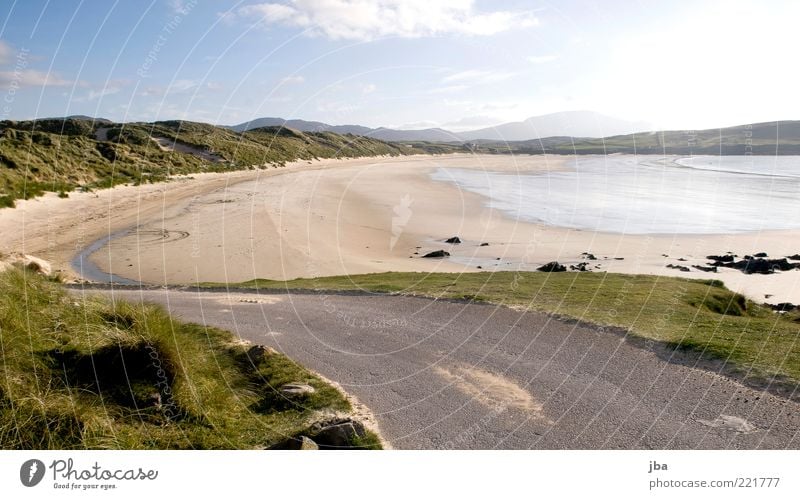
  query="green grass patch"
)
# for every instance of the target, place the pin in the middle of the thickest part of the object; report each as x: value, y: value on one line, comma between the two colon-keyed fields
x: 95, y: 375
x: 695, y: 315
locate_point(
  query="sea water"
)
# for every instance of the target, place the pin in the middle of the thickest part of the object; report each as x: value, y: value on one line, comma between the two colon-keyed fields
x: 647, y: 194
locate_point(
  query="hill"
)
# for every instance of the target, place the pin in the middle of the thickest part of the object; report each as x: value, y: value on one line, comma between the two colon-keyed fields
x: 569, y: 123
x: 63, y: 154
x: 770, y: 138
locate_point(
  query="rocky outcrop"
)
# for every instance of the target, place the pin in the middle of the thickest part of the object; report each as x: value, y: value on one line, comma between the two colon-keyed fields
x: 752, y: 265
x: 552, y: 267
x: 436, y: 254
x: 453, y: 240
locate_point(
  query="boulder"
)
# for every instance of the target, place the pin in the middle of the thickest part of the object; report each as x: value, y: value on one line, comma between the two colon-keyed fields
x: 337, y: 432
x: 436, y: 254
x: 487, y: 244
x: 705, y: 269
x: 589, y: 256
x: 796, y: 256
x: 297, y: 443
x: 763, y: 265
x: 552, y: 267
x: 453, y: 240
x: 760, y: 255
x: 581, y: 267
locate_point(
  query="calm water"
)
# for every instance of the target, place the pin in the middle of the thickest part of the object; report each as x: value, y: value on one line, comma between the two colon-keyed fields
x: 700, y: 195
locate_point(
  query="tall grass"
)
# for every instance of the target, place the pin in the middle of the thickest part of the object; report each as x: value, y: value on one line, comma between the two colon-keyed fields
x: 90, y: 374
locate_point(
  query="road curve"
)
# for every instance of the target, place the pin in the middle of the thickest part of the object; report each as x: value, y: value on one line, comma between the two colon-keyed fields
x: 443, y: 374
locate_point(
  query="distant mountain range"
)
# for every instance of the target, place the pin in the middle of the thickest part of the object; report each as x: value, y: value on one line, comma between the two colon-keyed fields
x: 571, y: 123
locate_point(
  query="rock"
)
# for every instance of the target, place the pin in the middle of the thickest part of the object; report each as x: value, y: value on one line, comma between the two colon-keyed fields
x: 762, y: 265
x: 588, y: 256
x: 720, y: 258
x: 257, y: 353
x: 298, y: 443
x: 796, y: 256
x: 705, y: 269
x: 552, y: 267
x: 678, y: 267
x: 581, y: 267
x: 618, y: 258
x: 296, y: 390
x: 760, y: 255
x: 308, y: 444
x: 487, y: 244
x: 681, y: 259
x: 436, y: 254
x: 480, y: 267
x: 782, y: 307
x: 453, y: 240
x: 337, y: 432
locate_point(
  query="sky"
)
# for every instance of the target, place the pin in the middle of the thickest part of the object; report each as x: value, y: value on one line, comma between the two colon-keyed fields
x: 459, y: 64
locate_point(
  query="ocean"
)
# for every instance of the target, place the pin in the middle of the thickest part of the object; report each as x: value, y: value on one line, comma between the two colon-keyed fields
x: 646, y: 194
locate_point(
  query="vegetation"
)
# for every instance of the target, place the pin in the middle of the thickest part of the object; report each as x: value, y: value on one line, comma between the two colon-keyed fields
x: 772, y: 138
x: 61, y: 155
x: 700, y: 316
x: 90, y: 374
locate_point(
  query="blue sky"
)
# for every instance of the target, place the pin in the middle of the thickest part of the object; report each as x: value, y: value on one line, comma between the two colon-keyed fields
x: 413, y: 63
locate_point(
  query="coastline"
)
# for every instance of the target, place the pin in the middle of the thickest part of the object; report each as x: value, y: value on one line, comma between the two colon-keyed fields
x: 339, y: 217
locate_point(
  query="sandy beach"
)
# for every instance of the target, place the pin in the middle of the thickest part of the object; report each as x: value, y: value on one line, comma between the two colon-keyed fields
x: 340, y: 217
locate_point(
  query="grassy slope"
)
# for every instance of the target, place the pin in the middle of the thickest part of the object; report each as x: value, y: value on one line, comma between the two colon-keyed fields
x: 769, y: 138
x: 701, y: 316
x: 62, y: 155
x: 86, y: 375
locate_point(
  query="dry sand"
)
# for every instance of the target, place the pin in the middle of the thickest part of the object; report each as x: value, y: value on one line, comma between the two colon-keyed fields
x: 357, y: 216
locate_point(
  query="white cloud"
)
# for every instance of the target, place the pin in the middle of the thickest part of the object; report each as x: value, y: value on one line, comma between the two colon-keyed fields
x: 367, y: 20
x: 542, y: 59
x: 291, y: 80
x: 31, y: 78
x: 182, y: 85
x: 476, y: 77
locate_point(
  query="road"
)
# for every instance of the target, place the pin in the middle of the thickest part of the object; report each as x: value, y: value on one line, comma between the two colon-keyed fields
x: 442, y: 374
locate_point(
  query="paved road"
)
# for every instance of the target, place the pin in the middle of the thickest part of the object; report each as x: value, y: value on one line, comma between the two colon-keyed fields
x: 441, y: 374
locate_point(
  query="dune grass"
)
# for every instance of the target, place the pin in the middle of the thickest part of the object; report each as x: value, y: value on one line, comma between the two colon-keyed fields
x: 91, y: 375
x: 695, y: 315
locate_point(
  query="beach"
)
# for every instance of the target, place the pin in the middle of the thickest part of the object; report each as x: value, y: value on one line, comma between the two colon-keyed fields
x: 340, y: 217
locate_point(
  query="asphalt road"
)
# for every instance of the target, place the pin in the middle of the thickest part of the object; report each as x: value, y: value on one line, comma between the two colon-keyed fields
x: 441, y: 375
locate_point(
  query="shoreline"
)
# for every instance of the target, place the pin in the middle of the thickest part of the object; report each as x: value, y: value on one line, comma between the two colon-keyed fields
x: 340, y: 217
